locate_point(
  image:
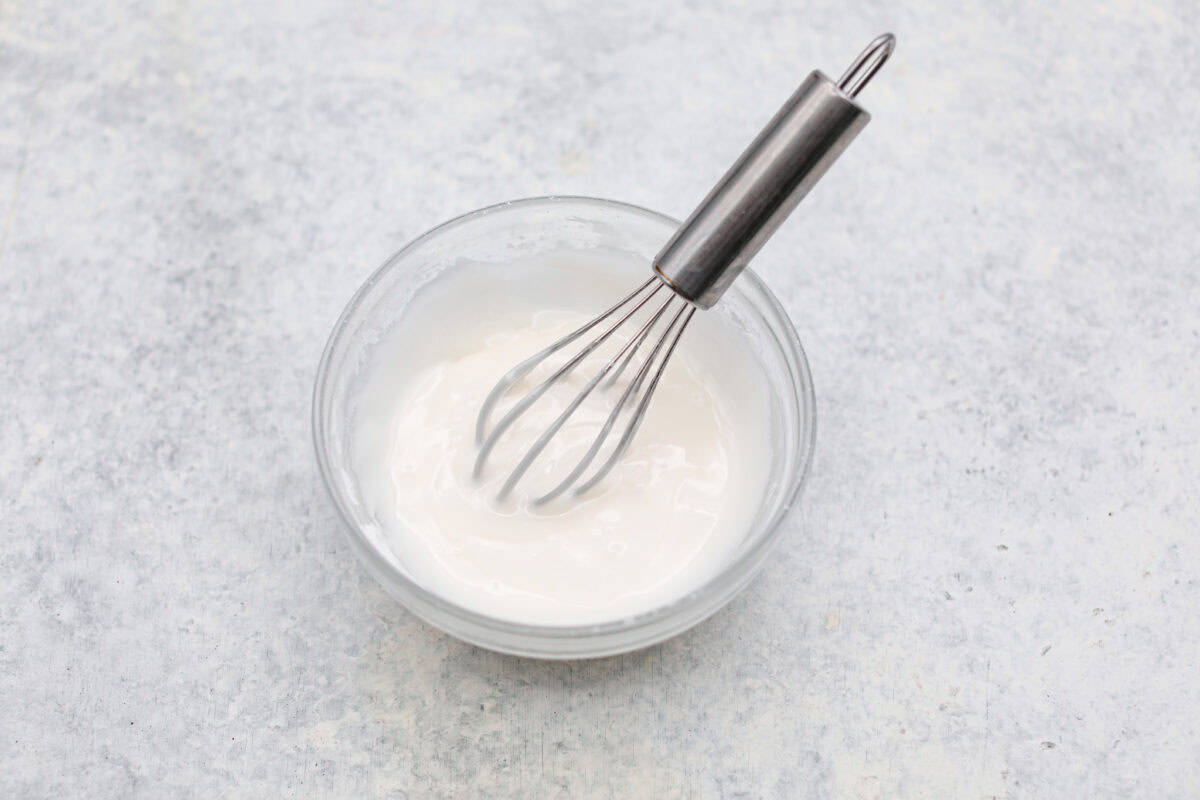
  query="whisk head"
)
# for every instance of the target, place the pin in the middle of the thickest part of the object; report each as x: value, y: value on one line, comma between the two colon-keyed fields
x: 651, y: 313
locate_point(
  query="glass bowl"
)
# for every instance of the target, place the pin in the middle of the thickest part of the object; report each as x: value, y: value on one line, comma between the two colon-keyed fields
x: 519, y: 229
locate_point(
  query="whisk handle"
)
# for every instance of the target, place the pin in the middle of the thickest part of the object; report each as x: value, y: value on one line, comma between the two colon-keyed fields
x: 768, y: 181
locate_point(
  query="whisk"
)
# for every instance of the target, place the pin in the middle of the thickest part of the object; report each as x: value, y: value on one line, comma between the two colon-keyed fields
x: 693, y: 269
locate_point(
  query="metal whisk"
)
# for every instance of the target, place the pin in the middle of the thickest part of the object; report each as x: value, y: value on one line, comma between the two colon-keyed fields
x: 694, y: 268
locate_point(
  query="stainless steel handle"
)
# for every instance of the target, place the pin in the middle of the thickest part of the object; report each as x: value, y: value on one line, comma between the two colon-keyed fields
x: 768, y: 181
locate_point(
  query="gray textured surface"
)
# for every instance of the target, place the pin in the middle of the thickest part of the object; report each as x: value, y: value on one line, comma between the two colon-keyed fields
x: 992, y: 588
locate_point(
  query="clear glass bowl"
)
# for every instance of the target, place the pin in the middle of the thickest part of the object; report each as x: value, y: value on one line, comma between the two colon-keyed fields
x: 523, y: 228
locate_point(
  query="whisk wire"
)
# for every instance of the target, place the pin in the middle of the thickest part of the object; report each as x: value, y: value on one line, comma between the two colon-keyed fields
x: 540, y: 444
x: 525, y: 367
x: 630, y: 391
x: 635, y: 422
x: 534, y: 394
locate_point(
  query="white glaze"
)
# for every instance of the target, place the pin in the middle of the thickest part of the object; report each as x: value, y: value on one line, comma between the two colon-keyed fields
x: 671, y: 512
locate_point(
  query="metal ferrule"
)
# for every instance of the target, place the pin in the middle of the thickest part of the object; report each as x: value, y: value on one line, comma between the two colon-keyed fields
x: 770, y: 179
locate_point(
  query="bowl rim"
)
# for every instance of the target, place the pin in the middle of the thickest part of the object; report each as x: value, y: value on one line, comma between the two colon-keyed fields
x: 727, y: 581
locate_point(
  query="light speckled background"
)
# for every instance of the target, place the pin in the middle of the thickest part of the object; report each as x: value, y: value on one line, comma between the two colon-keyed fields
x: 991, y: 590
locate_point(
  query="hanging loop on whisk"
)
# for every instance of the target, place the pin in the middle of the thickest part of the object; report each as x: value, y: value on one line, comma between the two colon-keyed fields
x: 867, y: 64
